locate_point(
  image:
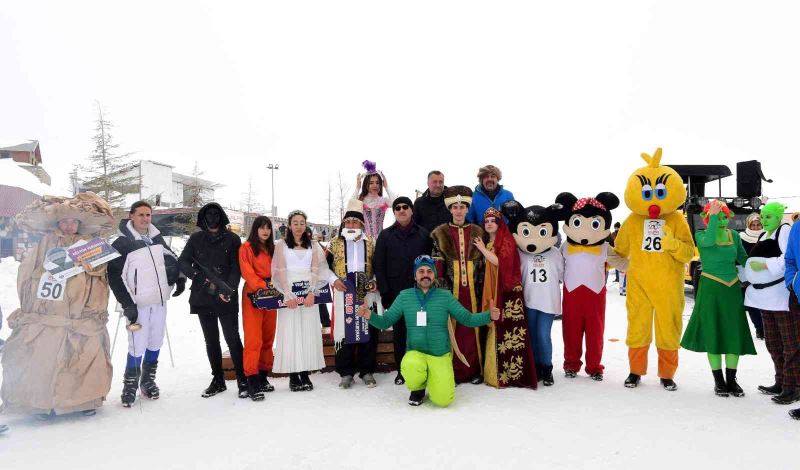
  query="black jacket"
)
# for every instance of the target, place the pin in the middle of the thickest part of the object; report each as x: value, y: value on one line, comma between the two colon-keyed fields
x: 395, y: 252
x: 430, y: 212
x: 218, y: 252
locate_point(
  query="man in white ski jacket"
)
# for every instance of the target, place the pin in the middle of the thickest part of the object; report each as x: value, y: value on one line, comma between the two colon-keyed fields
x: 142, y: 279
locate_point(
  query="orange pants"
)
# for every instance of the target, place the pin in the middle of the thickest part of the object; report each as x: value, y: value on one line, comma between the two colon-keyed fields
x: 259, y: 335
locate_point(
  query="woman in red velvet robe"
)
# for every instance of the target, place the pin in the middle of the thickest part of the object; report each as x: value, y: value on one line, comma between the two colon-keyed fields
x: 509, y: 358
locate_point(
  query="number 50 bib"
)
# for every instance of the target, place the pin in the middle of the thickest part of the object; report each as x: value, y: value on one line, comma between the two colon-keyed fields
x: 50, y: 288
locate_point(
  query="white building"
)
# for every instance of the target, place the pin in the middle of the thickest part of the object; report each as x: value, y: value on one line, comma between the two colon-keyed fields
x: 166, y: 188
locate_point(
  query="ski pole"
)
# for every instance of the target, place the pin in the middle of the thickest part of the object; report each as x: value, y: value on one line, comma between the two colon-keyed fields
x: 116, y: 333
x: 169, y: 344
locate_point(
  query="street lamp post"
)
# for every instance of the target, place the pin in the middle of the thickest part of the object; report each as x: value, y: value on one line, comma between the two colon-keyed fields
x: 272, y: 167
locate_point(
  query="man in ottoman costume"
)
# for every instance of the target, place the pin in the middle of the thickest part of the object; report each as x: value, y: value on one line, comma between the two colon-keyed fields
x: 460, y: 269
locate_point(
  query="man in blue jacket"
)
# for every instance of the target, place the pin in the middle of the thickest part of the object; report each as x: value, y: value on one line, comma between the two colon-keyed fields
x: 488, y: 193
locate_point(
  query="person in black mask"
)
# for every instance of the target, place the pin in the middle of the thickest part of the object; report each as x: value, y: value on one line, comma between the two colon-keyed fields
x: 211, y: 260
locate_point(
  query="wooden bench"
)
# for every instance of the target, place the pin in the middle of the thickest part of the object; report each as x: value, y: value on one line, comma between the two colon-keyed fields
x: 384, y: 356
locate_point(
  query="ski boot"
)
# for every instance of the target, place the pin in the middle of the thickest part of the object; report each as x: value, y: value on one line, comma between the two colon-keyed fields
x: 130, y: 382
x: 148, y: 383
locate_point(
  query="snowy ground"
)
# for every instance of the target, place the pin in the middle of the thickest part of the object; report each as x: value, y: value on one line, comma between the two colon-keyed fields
x: 575, y: 424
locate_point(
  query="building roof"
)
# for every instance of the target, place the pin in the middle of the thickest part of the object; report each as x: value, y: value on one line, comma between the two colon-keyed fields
x: 11, y: 174
x: 13, y: 200
x: 29, y: 146
x: 185, y: 179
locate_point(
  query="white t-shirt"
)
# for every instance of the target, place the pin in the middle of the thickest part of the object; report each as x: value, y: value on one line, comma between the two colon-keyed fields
x: 541, y: 277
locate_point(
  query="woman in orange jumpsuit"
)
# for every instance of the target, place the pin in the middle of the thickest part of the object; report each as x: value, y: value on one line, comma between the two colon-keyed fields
x: 255, y: 261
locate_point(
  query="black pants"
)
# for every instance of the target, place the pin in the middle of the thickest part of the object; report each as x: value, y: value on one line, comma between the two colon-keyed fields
x: 361, y: 358
x: 399, y: 332
x: 230, y: 330
x: 324, y: 315
x: 399, y: 339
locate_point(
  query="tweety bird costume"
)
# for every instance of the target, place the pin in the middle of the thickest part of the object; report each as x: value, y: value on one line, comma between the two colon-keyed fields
x: 657, y: 258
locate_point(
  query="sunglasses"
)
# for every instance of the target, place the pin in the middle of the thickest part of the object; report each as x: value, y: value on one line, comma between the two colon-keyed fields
x: 402, y: 207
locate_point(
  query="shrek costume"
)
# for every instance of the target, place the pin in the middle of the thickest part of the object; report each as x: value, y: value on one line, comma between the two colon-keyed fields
x: 719, y: 323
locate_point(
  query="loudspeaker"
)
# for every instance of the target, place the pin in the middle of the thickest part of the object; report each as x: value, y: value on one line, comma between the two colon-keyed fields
x: 748, y: 179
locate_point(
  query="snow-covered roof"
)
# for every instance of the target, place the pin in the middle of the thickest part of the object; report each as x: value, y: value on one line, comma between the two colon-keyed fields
x: 29, y: 146
x: 190, y: 180
x: 11, y: 174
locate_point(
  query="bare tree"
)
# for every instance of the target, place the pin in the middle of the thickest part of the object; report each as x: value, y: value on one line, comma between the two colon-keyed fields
x: 342, y: 195
x: 196, y: 194
x: 249, y: 202
x: 108, y: 174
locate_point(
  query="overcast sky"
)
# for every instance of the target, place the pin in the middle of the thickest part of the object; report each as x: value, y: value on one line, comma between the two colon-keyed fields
x: 562, y: 96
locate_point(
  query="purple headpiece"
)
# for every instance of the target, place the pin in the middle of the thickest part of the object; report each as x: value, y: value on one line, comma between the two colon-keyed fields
x: 370, y: 167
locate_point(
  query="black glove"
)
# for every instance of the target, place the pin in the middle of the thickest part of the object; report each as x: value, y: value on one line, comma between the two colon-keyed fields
x: 180, y: 286
x: 131, y: 313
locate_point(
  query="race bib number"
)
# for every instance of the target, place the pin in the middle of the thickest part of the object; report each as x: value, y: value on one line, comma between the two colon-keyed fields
x: 50, y: 288
x: 539, y: 273
x: 653, y: 235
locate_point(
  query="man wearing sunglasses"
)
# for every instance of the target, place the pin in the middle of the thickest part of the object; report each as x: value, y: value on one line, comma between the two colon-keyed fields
x: 427, y: 311
x: 395, y: 251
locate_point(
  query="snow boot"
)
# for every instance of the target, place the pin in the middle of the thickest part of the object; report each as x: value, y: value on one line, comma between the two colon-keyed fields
x: 254, y: 388
x: 597, y: 377
x: 346, y: 382
x: 788, y: 396
x: 91, y: 412
x: 399, y: 379
x: 795, y: 414
x: 477, y: 380
x: 733, y: 387
x: 266, y: 387
x: 148, y: 382
x: 633, y: 380
x: 307, y: 385
x: 241, y: 383
x: 130, y: 382
x: 369, y: 381
x: 295, y: 384
x: 416, y: 397
x: 669, y: 385
x: 547, y: 376
x: 570, y: 374
x: 720, y: 387
x: 216, y: 386
x: 771, y: 390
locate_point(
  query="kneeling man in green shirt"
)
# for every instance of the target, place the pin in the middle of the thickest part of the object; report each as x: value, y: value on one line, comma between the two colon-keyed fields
x: 426, y: 310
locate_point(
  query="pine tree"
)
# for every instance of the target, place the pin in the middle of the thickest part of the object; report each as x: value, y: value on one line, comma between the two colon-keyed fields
x: 109, y: 174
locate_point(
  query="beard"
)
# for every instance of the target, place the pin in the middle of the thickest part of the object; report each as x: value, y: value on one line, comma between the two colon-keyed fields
x: 351, y: 234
